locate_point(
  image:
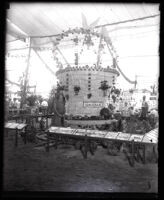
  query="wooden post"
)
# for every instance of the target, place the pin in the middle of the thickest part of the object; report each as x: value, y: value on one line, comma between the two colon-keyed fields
x: 132, y: 153
x: 25, y: 135
x: 144, y: 154
x: 137, y: 153
x: 47, y: 149
x: 16, y: 138
x: 47, y: 120
x: 85, y: 149
x: 56, y: 142
x: 155, y: 153
x: 23, y: 98
x: 91, y: 146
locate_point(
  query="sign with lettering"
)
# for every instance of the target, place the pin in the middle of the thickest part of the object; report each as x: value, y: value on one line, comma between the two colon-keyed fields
x: 93, y: 104
x: 136, y: 138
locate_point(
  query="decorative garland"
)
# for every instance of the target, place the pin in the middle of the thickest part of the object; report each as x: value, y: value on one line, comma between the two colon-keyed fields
x: 87, y: 41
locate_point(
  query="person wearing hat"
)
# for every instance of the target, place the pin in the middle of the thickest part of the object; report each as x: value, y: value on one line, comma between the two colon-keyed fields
x: 144, y: 109
x: 44, y: 106
x: 125, y: 111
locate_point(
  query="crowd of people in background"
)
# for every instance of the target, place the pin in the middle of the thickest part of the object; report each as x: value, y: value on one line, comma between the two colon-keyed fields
x: 129, y: 118
x: 139, y: 120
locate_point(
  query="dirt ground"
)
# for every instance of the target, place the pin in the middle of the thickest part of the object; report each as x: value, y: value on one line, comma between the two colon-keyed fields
x: 27, y: 168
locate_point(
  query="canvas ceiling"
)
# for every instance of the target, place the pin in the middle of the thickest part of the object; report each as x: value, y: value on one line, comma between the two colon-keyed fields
x: 136, y: 43
x: 43, y: 19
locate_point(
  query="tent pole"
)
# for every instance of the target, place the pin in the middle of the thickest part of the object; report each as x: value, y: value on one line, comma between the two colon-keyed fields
x: 23, y: 99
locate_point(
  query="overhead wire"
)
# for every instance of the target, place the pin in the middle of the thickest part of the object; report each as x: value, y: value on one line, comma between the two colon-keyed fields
x: 122, y: 35
x: 108, y: 24
x: 127, y: 21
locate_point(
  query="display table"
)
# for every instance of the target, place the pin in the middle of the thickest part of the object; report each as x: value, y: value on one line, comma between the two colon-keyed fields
x: 87, y: 137
x: 18, y: 127
x: 28, y: 118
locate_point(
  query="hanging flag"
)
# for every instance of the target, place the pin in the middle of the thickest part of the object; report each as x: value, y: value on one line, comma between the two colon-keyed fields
x: 94, y: 23
x: 84, y: 21
x: 85, y: 24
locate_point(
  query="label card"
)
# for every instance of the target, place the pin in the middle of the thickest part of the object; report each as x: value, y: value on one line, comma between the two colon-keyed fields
x: 21, y: 126
x: 123, y: 136
x: 111, y: 135
x: 136, y: 137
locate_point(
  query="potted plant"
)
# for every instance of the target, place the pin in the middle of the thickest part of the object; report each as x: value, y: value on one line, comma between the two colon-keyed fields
x: 104, y: 87
x: 89, y: 95
x: 76, y: 89
x: 117, y: 92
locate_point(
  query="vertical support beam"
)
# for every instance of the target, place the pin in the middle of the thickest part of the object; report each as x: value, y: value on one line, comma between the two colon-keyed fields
x: 56, y: 142
x: 85, y: 149
x: 16, y: 137
x: 25, y: 135
x: 47, y: 149
x: 46, y: 120
x: 137, y: 153
x: 144, y: 154
x: 26, y: 74
x: 133, y: 153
